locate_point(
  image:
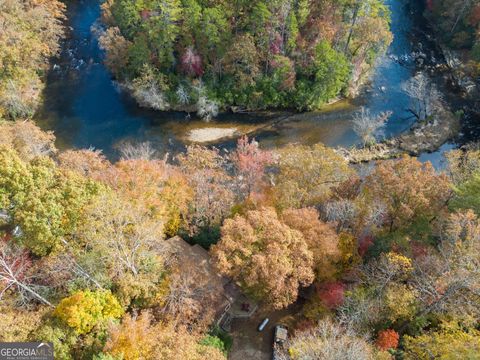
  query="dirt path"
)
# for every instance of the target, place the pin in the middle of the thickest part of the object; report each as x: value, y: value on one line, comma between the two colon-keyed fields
x: 249, y: 343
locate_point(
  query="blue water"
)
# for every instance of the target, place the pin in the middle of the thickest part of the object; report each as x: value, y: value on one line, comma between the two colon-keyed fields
x: 85, y: 108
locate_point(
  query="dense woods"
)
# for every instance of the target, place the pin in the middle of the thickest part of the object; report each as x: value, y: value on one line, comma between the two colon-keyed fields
x: 205, y: 55
x: 390, y: 251
x: 458, y: 21
x: 458, y: 26
x: 29, y: 35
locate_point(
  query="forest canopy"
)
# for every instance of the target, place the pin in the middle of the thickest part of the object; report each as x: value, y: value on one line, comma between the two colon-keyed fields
x: 458, y: 26
x: 29, y: 35
x: 204, y: 55
x: 144, y: 257
x: 381, y: 261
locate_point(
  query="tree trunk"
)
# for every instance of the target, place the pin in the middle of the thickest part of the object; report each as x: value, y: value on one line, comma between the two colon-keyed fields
x: 354, y: 21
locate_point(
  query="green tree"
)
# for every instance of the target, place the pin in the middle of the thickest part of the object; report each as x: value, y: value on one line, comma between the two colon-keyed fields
x: 331, y: 72
x: 44, y: 201
x: 127, y: 15
x: 241, y: 61
x: 63, y: 338
x: 467, y: 194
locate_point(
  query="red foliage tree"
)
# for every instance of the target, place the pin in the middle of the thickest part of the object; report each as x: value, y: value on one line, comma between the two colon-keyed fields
x: 276, y: 45
x: 364, y: 244
x: 331, y: 294
x: 15, y: 263
x: 387, y: 339
x: 191, y: 62
x: 251, y: 162
x: 419, y: 250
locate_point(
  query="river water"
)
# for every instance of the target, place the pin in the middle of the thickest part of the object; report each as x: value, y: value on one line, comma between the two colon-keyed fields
x: 86, y: 109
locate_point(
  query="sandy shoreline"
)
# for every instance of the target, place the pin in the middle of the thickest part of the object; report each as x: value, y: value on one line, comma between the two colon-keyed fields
x: 210, y: 134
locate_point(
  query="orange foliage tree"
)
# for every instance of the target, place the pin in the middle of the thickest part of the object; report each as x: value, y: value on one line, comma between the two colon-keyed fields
x: 27, y: 139
x: 86, y: 162
x: 409, y: 189
x: 139, y: 338
x: 387, y: 339
x: 159, y: 188
x: 321, y: 238
x: 269, y: 259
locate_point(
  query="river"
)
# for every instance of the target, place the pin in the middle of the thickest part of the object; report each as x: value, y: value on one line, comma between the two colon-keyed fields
x: 86, y: 109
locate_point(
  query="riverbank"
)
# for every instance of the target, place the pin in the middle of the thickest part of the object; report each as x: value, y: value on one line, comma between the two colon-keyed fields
x: 423, y: 137
x: 456, y: 44
x: 85, y: 108
x: 460, y: 71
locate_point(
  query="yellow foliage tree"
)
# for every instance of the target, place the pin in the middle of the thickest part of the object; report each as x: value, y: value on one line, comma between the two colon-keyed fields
x: 83, y: 310
x: 153, y: 184
x: 140, y: 339
x: 17, y: 324
x: 450, y: 342
x: 307, y: 174
x: 400, y: 302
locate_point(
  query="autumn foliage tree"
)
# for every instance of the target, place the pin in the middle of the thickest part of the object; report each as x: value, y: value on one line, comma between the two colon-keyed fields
x: 251, y: 163
x: 83, y: 310
x: 89, y: 163
x: 17, y: 276
x: 451, y: 340
x: 133, y: 339
x: 387, y: 339
x: 326, y: 341
x: 321, y: 239
x: 31, y: 31
x: 457, y: 21
x: 246, y: 54
x: 307, y: 174
x: 270, y: 260
x: 120, y: 243
x: 213, y: 193
x: 331, y: 294
x: 27, y: 139
x: 192, y: 299
x: 154, y: 185
x: 140, y: 338
x: 447, y: 281
x: 410, y: 190
x: 43, y: 200
x: 19, y: 324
